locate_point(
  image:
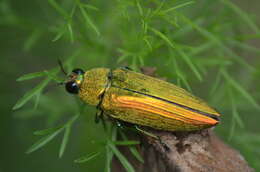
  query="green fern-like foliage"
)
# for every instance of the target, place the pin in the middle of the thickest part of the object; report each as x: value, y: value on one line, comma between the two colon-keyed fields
x: 203, y: 46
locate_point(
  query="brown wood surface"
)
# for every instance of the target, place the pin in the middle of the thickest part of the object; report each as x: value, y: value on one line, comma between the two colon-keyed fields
x: 200, y: 151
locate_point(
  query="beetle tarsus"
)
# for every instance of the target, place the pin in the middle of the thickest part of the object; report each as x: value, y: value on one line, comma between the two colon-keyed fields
x: 110, y: 75
x: 99, y: 114
x: 164, y: 145
x: 126, y: 68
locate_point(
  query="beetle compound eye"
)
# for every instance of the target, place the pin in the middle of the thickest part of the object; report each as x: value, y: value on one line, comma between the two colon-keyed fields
x: 78, y: 71
x: 72, y: 87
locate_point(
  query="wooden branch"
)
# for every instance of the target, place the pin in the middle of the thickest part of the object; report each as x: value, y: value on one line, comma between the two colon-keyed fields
x: 200, y: 151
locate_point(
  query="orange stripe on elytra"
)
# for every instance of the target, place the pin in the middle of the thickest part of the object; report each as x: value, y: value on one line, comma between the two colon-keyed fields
x: 151, y: 109
x: 164, y: 109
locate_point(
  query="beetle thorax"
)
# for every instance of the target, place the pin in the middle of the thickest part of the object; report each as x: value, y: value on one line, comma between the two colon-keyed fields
x: 93, y: 85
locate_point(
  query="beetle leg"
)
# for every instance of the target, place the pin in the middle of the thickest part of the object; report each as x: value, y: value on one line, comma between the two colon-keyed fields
x: 99, y: 112
x: 119, y: 124
x: 126, y: 68
x: 110, y: 75
x: 99, y: 115
x: 103, y: 122
x: 154, y: 136
x: 146, y: 132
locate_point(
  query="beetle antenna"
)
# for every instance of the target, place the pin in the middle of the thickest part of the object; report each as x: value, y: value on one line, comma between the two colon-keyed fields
x: 61, y: 67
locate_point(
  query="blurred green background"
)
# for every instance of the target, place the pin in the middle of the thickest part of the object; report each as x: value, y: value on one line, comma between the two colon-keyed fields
x: 208, y: 47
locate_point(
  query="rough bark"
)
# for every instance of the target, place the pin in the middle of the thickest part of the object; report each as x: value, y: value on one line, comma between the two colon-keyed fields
x: 200, y: 151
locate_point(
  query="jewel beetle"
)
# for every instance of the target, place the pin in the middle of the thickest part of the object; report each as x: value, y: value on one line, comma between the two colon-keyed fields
x: 139, y: 99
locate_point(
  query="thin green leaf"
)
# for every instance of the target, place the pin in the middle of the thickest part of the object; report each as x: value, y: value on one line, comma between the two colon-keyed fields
x: 73, y: 119
x: 235, y: 116
x: 87, y: 157
x: 203, y: 31
x: 235, y: 113
x: 136, y: 154
x: 70, y: 32
x: 242, y: 14
x: 65, y: 140
x: 58, y: 36
x: 112, y: 132
x: 216, y: 40
x: 51, y: 75
x: 177, y: 7
x: 144, y: 26
x: 31, y: 40
x: 177, y: 71
x: 184, y: 81
x: 245, y: 46
x: 54, y: 78
x: 158, y: 9
x: 133, y: 149
x: 201, y: 48
x: 186, y: 29
x: 162, y: 36
x: 47, y: 131
x: 69, y: 25
x: 109, y: 156
x: 31, y: 93
x: 121, y: 158
x: 239, y: 89
x: 141, y: 60
x: 59, y: 9
x: 60, y: 33
x: 126, y: 143
x: 31, y: 76
x: 87, y: 18
x: 43, y: 141
x: 249, y: 137
x: 202, y: 69
x: 179, y: 82
x: 91, y: 7
x: 122, y: 58
x: 122, y: 51
x: 245, y: 37
x: 139, y: 8
x: 232, y: 129
x: 149, y: 45
x: 216, y: 84
x: 27, y: 114
x: 180, y: 76
x: 37, y: 100
x: 223, y: 62
x: 124, y: 55
x: 134, y: 65
x: 189, y: 63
